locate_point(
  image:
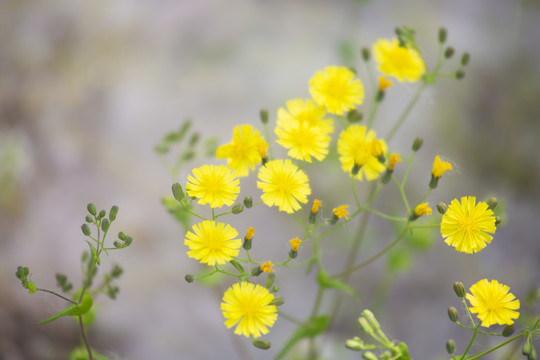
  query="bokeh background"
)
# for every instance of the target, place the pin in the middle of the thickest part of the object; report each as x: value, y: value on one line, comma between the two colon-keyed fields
x: 88, y: 88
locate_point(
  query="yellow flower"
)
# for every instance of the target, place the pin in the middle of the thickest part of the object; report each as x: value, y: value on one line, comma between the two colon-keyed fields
x: 355, y: 147
x: 303, y: 140
x: 214, y: 185
x: 337, y: 89
x: 212, y: 243
x: 243, y: 152
x: 384, y: 83
x: 248, y: 306
x: 249, y: 233
x: 493, y: 303
x: 466, y: 225
x: 403, y: 63
x: 394, y: 158
x: 422, y: 209
x: 267, y: 267
x: 283, y: 185
x: 439, y: 167
x: 295, y: 244
x: 316, y: 205
x: 305, y: 111
x: 341, y: 212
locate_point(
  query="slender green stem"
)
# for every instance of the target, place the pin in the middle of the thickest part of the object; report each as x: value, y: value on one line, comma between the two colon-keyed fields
x: 383, y: 215
x: 478, y: 356
x: 479, y: 331
x: 57, y: 294
x: 374, y: 257
x: 268, y: 141
x: 206, y: 275
x: 405, y: 113
x: 290, y: 318
x: 470, y: 342
x: 353, y: 184
x: 318, y: 301
x: 85, y: 341
x: 373, y: 111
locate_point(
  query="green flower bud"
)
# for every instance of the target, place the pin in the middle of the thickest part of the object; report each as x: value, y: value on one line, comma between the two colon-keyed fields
x: 465, y: 59
x: 508, y: 330
x: 189, y: 278
x: 122, y: 236
x: 451, y: 346
x: 128, y: 240
x: 441, y: 208
x: 365, y: 54
x: 453, y: 314
x: 497, y: 220
x: 527, y: 348
x: 261, y: 344
x: 116, y: 271
x: 105, y: 224
x: 368, y: 355
x: 256, y: 271
x: 368, y: 315
x: 356, y: 168
x: 387, y: 176
x: 91, y: 209
x: 379, y: 96
x: 449, y: 52
x: 459, y: 289
x: 248, y: 202
x: 177, y: 191
x: 112, y: 213
x: 61, y: 279
x: 264, y: 116
x: 86, y: 229
x: 417, y: 144
x: 88, y: 219
x: 355, y: 344
x: 460, y: 74
x: 365, y: 326
x: 278, y: 300
x: 492, y: 203
x: 237, y: 209
x: 433, y: 182
x: 442, y: 35
x: 354, y: 116
x: 293, y: 254
x: 270, y: 280
x: 102, y: 214
x: 275, y: 289
x: 188, y: 155
x: 118, y: 244
x: 531, y: 356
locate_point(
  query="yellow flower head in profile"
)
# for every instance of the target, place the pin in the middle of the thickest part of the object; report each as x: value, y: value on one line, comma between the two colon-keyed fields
x: 267, y: 267
x: 394, y: 159
x: 248, y: 306
x: 356, y: 147
x: 212, y: 243
x: 244, y: 151
x: 214, y: 185
x: 341, y: 212
x: 403, y: 63
x: 466, y: 225
x: 337, y: 89
x: 440, y: 167
x: 283, y: 185
x: 384, y: 83
x: 295, y: 243
x: 422, y: 209
x: 492, y: 303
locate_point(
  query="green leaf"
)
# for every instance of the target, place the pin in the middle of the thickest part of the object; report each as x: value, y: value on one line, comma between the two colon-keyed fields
x: 93, y: 253
x: 72, y: 310
x: 328, y: 282
x: 81, y: 353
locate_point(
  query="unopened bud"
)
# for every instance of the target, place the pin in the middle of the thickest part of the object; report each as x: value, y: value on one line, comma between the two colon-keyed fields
x: 278, y: 300
x: 417, y: 144
x: 442, y: 35
x: 237, y: 209
x: 194, y: 139
x: 86, y: 229
x: 355, y: 344
x: 368, y: 355
x: 128, y: 240
x: 459, y: 289
x: 365, y: 54
x: 256, y: 271
x: 387, y: 176
x: 248, y: 202
x: 88, y: 219
x: 112, y: 213
x: 365, y: 326
x: 354, y: 116
x: 460, y: 74
x: 453, y: 314
x: 441, y: 208
x: 527, y: 348
x: 118, y: 244
x: 122, y: 236
x: 356, y: 168
x: 368, y: 315
x: 508, y: 330
x: 492, y: 203
x: 497, y: 220
x: 102, y: 214
x: 91, y: 209
x: 105, y: 224
x: 532, y: 355
x: 449, y: 52
x: 451, y: 346
x: 261, y: 344
x: 177, y: 191
x: 189, y: 278
x: 264, y: 116
x: 465, y: 59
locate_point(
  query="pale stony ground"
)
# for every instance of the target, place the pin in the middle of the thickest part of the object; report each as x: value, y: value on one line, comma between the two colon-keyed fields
x: 87, y: 89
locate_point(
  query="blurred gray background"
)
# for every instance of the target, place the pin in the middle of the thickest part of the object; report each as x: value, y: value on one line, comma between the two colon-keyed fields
x: 88, y: 88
